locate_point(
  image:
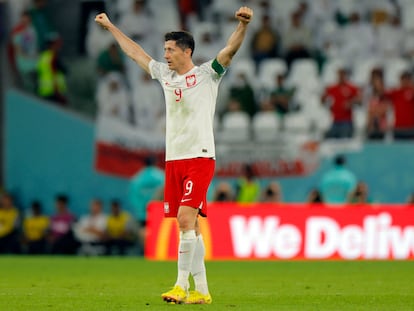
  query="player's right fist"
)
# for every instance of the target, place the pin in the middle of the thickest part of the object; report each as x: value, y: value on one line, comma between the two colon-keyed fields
x: 103, y: 20
x: 244, y: 14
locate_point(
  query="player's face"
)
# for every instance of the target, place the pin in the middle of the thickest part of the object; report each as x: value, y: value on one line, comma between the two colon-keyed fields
x: 174, y: 55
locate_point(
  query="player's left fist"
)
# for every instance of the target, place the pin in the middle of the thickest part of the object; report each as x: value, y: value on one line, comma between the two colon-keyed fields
x: 244, y: 14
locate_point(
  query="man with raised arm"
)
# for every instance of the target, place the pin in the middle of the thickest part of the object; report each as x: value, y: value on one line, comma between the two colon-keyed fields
x: 190, y: 96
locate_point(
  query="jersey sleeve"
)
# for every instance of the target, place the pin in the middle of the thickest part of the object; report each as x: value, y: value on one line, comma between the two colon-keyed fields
x: 157, y: 69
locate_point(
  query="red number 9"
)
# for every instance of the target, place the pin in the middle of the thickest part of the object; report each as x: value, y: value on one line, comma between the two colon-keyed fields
x: 178, y: 94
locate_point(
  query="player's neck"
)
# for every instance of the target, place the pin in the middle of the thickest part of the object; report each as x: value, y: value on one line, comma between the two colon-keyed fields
x: 185, y: 68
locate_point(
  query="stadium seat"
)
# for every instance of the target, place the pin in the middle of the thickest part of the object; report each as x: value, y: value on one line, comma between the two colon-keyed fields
x: 297, y: 122
x: 226, y: 29
x: 359, y: 118
x: 199, y: 28
x: 235, y: 127
x: 304, y: 75
x: 244, y: 65
x: 284, y: 9
x: 224, y: 8
x: 168, y: 15
x: 307, y: 101
x: 393, y: 68
x: 346, y: 7
x: 407, y: 16
x: 320, y: 118
x: 303, y: 68
x: 268, y: 70
x: 330, y: 71
x: 361, y: 70
x: 265, y: 126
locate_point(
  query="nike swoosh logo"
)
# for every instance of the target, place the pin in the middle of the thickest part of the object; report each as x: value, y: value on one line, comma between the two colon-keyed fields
x: 185, y: 200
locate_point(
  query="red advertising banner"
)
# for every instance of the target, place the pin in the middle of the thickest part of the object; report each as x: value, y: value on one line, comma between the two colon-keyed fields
x: 120, y: 150
x: 291, y: 231
x: 117, y: 160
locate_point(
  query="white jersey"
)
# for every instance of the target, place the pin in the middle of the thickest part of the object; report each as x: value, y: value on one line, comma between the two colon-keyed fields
x: 190, y: 101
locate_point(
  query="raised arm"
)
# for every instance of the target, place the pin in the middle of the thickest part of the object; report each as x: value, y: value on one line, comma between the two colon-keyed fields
x: 244, y: 15
x: 130, y: 48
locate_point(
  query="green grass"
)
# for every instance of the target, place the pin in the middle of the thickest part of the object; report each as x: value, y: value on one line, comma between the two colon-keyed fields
x: 78, y: 283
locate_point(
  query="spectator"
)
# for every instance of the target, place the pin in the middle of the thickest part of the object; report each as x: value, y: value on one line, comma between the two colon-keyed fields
x: 90, y: 230
x: 137, y: 22
x: 248, y: 188
x: 297, y: 40
x: 377, y: 108
x: 338, y: 183
x: 234, y: 106
x: 9, y: 226
x: 186, y: 8
x: 266, y: 41
x: 87, y: 10
x: 207, y: 45
x: 51, y: 72
x: 148, y: 105
x: 242, y: 91
x: 223, y: 192
x: 61, y: 237
x: 327, y: 43
x: 144, y: 186
x: 410, y: 200
x: 42, y: 23
x: 357, y: 39
x: 97, y: 40
x: 35, y: 230
x: 360, y: 195
x: 110, y: 59
x: 113, y: 98
x: 272, y: 193
x: 120, y: 230
x: 315, y: 196
x: 402, y: 102
x: 281, y: 97
x: 408, y: 45
x: 25, y: 52
x: 341, y: 97
x: 3, y: 10
x: 389, y: 38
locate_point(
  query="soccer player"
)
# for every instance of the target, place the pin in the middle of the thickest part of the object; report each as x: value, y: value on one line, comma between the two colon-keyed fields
x: 190, y: 97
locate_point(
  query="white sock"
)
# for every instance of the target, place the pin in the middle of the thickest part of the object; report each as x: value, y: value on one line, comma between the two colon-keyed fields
x: 186, y: 250
x: 198, y: 268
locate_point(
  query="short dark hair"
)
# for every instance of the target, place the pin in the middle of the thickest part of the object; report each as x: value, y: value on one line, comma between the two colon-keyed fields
x: 62, y: 198
x: 150, y: 160
x: 183, y: 39
x: 406, y: 74
x: 115, y: 202
x: 36, y: 207
x: 340, y: 160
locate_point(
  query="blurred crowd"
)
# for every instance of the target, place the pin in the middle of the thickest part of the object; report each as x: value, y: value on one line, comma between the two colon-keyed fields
x: 333, y: 69
x: 317, y: 69
x: 115, y: 230
x: 338, y: 186
x: 98, y: 232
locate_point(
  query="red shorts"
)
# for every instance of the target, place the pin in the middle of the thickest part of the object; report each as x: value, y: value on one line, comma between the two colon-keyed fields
x: 186, y: 184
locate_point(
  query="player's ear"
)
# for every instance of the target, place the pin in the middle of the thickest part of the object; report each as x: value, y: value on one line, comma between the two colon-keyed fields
x: 188, y: 52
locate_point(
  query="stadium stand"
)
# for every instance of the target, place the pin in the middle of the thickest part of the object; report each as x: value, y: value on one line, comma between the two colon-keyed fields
x: 330, y: 32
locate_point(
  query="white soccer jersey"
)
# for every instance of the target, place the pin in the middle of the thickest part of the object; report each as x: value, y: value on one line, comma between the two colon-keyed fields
x: 190, y: 105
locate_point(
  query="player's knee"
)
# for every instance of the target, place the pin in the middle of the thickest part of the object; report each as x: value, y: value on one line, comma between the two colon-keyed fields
x: 185, y: 222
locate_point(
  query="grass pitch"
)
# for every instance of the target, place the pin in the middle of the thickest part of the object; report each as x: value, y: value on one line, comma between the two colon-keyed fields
x: 102, y: 283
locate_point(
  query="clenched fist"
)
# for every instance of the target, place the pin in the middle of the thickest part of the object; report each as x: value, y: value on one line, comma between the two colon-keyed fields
x: 103, y: 20
x: 244, y: 14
